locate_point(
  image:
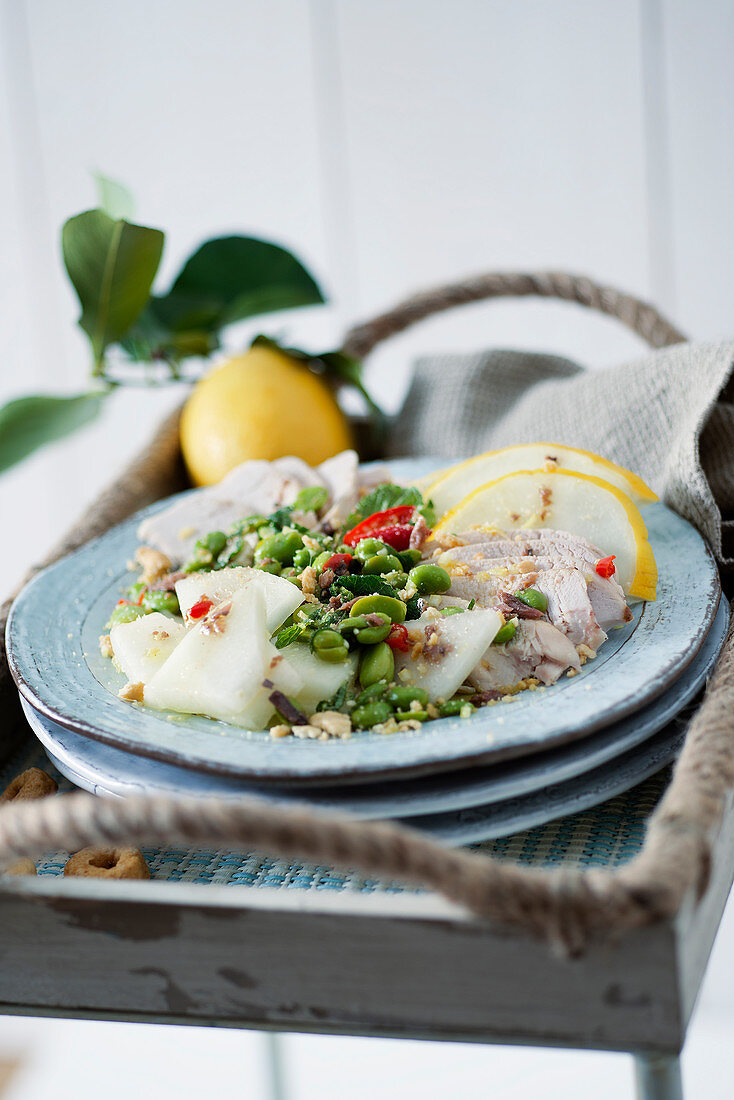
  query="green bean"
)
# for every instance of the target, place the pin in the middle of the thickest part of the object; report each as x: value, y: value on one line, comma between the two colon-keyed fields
x: 383, y: 563
x: 383, y: 605
x: 402, y: 695
x: 377, y: 663
x: 505, y: 633
x: 371, y: 714
x: 452, y: 708
x: 330, y: 646
x: 430, y: 579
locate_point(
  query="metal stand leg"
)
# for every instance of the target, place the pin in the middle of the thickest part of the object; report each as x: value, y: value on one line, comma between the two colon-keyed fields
x: 278, y: 1090
x: 658, y: 1077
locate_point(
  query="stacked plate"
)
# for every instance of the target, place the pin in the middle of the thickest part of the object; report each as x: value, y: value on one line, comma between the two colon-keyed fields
x: 509, y: 766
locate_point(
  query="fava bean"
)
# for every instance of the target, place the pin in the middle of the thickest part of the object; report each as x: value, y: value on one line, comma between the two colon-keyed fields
x: 370, y: 714
x: 281, y: 547
x: 368, y: 548
x: 125, y: 613
x: 505, y: 633
x: 383, y: 563
x: 401, y: 696
x: 377, y: 664
x: 320, y: 561
x: 330, y: 646
x: 162, y: 601
x: 452, y: 708
x: 409, y: 558
x: 416, y: 715
x: 430, y: 579
x: 301, y: 558
x: 383, y: 605
x: 371, y: 693
x: 273, y: 567
x: 365, y: 632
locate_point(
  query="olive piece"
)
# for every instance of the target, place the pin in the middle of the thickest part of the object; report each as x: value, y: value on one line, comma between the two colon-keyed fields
x: 505, y: 633
x: 429, y: 580
x: 378, y: 663
x: 533, y: 598
x: 402, y: 695
x: 370, y: 714
x: 329, y: 645
x: 383, y: 605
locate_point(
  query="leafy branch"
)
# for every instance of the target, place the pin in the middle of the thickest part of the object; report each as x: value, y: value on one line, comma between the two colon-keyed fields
x: 112, y: 263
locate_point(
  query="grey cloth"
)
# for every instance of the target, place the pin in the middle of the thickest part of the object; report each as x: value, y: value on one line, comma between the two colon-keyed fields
x: 668, y: 416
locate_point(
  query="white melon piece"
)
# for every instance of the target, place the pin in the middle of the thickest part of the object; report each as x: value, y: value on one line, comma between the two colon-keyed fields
x: 281, y: 597
x: 461, y: 642
x: 142, y: 646
x: 218, y: 669
x: 320, y: 679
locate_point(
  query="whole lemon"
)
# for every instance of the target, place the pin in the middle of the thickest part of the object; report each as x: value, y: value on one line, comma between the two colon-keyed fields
x: 263, y: 404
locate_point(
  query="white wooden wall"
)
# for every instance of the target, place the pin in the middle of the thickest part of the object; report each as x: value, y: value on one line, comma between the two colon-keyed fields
x: 394, y: 144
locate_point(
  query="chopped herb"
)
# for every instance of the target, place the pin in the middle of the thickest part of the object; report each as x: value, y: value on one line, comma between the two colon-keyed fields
x: 363, y: 584
x: 472, y: 602
x: 336, y: 702
x: 391, y: 496
x: 287, y: 635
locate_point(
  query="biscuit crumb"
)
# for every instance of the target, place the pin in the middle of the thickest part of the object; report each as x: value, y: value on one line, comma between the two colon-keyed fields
x: 105, y: 645
x: 131, y: 693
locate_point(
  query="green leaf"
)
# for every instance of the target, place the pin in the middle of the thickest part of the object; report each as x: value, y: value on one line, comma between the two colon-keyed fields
x: 230, y: 278
x: 29, y: 422
x: 112, y: 265
x: 391, y: 496
x: 114, y: 198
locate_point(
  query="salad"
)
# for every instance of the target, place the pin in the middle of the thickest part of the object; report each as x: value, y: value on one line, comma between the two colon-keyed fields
x: 320, y: 602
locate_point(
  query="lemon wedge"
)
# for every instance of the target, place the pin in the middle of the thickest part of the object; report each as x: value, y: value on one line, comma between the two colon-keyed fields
x: 452, y: 485
x: 565, y: 500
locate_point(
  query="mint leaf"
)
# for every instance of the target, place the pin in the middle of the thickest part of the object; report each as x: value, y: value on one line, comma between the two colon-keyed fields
x: 29, y: 422
x: 391, y: 496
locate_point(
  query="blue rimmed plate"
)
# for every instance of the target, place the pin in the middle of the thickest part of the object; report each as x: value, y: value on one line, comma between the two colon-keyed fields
x: 52, y: 649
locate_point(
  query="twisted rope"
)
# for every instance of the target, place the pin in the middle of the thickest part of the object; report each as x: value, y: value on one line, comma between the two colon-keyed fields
x: 566, y: 908
x: 639, y: 316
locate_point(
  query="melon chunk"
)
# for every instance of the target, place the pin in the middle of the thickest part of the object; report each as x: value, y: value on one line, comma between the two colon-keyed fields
x: 452, y: 485
x: 141, y: 647
x: 461, y: 642
x: 220, y: 667
x: 281, y: 597
x: 320, y: 679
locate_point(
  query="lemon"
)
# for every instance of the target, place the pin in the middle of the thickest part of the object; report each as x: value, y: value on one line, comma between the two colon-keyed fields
x: 565, y: 500
x: 452, y: 485
x: 262, y: 404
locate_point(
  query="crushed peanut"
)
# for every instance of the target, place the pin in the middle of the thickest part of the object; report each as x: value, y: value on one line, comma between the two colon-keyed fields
x: 131, y: 693
x: 105, y: 645
x: 332, y: 722
x: 309, y: 581
x: 280, y: 731
x: 153, y: 563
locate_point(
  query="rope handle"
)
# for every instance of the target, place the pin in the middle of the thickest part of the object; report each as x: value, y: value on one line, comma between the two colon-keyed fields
x: 641, y: 317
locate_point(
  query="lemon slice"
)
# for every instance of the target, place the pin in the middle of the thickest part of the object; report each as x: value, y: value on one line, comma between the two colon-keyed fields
x: 452, y: 485
x: 565, y: 500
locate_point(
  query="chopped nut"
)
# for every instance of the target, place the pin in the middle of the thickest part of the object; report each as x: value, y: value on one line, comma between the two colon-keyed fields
x: 105, y: 645
x: 432, y: 711
x: 309, y: 581
x: 154, y: 564
x: 572, y: 672
x: 332, y: 722
x: 132, y: 692
x: 280, y: 731
x: 307, y: 732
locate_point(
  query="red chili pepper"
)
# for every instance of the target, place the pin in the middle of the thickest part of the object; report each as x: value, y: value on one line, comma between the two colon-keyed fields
x: 605, y: 566
x: 339, y: 563
x: 200, y: 608
x: 392, y: 524
x: 398, y: 638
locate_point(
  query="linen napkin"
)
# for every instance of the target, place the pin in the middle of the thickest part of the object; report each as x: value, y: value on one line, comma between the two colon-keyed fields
x: 668, y: 416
